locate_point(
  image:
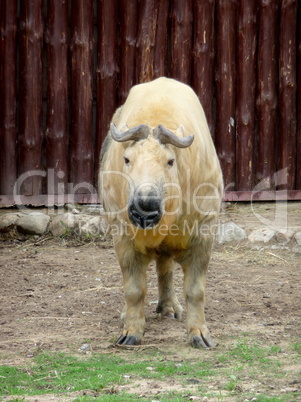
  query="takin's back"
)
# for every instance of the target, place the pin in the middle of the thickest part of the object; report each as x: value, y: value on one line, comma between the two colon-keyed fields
x: 164, y: 101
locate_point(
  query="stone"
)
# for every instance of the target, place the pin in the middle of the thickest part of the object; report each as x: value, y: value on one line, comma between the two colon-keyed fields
x: 86, y: 347
x: 35, y: 223
x: 94, y: 227
x: 93, y: 209
x: 61, y: 223
x: 70, y: 206
x: 284, y: 235
x: 74, y: 208
x: 298, y: 238
x: 7, y: 221
x: 229, y: 231
x: 262, y: 235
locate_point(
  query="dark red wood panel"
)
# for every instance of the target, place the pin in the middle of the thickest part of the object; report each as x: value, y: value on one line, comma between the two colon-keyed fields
x: 181, y: 40
x: 81, y: 134
x: 161, y: 43
x: 56, y: 38
x: 107, y: 70
x: 203, y: 57
x: 129, y: 14
x: 246, y: 87
x: 146, y: 38
x: 8, y: 129
x: 298, y: 163
x: 225, y: 88
x: 287, y: 92
x: 267, y: 100
x: 30, y: 129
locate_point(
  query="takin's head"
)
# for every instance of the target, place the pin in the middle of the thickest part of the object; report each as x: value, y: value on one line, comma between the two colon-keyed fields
x: 149, y: 164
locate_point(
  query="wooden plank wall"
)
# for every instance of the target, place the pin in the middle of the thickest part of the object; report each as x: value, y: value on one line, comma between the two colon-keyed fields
x: 66, y: 65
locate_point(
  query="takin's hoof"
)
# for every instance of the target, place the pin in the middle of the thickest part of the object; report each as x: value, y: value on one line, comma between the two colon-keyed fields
x: 128, y: 340
x: 202, y: 342
x: 174, y: 311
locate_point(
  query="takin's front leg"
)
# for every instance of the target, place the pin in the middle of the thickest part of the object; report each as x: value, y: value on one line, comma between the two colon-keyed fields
x: 194, y: 262
x: 168, y: 304
x: 134, y: 267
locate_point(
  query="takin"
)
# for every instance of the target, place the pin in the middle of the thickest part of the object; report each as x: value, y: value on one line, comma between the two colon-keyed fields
x: 161, y: 187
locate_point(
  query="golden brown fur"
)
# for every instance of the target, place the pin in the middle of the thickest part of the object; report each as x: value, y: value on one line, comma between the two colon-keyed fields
x: 192, y: 193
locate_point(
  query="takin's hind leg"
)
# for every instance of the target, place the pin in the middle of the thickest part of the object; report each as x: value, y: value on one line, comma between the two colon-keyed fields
x: 168, y: 304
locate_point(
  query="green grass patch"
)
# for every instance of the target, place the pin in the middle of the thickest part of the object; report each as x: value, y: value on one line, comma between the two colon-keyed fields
x: 103, y: 374
x: 60, y: 373
x: 297, y: 348
x: 264, y: 398
x: 252, y: 355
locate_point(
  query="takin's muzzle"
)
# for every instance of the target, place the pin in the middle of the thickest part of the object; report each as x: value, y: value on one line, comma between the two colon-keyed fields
x: 145, y: 209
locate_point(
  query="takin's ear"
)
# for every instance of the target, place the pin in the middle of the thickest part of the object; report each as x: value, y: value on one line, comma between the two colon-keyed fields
x: 180, y: 131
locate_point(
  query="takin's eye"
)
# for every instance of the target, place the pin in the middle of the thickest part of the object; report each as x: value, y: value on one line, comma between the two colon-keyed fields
x: 126, y: 160
x: 171, y: 162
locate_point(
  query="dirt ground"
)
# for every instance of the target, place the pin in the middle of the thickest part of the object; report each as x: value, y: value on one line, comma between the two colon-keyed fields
x: 57, y: 294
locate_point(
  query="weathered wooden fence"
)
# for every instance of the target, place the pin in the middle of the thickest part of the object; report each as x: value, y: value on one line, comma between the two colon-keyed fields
x: 66, y: 65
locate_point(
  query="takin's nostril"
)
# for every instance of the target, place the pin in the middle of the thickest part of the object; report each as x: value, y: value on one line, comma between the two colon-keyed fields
x: 144, y: 220
x: 135, y: 213
x: 152, y: 215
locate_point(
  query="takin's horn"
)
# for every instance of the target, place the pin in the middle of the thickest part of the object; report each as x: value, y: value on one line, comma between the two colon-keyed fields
x: 136, y: 133
x: 165, y: 136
